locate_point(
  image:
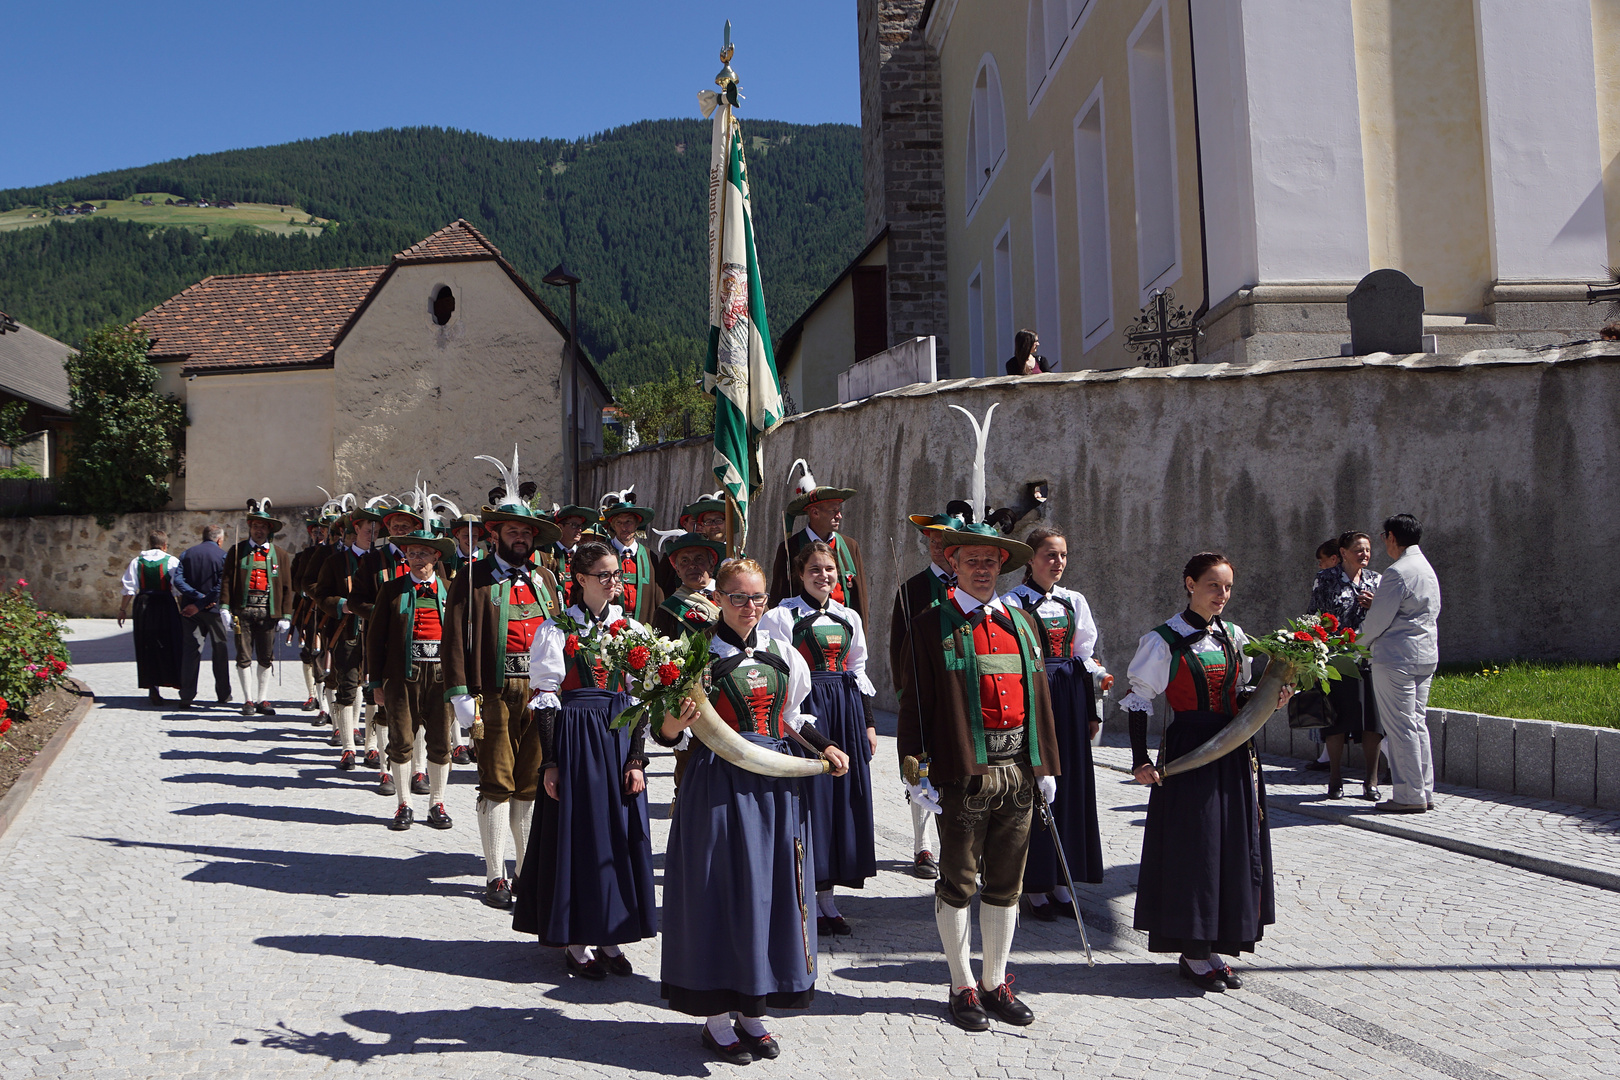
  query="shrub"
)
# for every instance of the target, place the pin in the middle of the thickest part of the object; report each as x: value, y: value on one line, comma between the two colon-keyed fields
x: 33, y: 656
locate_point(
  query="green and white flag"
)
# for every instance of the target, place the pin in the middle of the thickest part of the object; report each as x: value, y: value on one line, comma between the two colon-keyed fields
x: 740, y: 370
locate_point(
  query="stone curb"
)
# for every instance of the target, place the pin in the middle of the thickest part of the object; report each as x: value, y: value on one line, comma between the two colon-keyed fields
x: 12, y: 804
x: 1585, y: 875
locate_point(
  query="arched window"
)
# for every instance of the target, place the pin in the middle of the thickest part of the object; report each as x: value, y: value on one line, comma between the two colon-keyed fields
x: 444, y: 305
x: 987, y: 132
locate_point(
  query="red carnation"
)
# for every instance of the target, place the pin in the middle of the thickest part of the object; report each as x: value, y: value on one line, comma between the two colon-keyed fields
x: 1350, y: 635
x: 59, y: 666
x: 1300, y: 635
x: 1321, y: 634
x: 571, y: 646
x: 637, y: 657
x: 619, y: 627
x: 668, y: 673
x: 1329, y: 620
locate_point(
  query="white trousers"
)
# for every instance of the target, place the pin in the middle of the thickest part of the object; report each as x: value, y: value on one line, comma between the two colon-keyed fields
x: 1402, y: 693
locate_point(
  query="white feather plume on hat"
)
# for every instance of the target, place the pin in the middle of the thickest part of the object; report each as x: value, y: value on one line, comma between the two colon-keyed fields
x: 509, y: 476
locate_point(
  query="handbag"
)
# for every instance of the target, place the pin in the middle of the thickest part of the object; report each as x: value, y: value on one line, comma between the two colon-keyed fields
x: 1311, y: 709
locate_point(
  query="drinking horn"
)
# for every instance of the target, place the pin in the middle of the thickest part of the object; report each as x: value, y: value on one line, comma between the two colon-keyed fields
x: 719, y: 736
x: 1250, y: 719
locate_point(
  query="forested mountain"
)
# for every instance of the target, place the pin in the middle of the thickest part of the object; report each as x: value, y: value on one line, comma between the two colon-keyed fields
x: 625, y: 209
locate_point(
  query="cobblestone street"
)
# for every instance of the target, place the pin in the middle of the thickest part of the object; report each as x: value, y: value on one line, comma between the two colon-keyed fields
x: 202, y: 893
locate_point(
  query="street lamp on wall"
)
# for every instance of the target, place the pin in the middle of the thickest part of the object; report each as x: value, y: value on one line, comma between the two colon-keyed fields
x: 560, y: 276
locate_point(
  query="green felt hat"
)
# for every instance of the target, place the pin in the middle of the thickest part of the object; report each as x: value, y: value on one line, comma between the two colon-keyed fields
x: 615, y: 503
x: 571, y: 510
x: 715, y: 503
x: 927, y: 523
x: 257, y: 512
x: 982, y: 535
x: 512, y: 507
x: 444, y: 545
x: 691, y: 540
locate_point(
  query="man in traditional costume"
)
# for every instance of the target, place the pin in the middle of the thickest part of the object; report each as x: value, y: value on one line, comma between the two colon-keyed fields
x: 623, y: 520
x: 345, y: 629
x: 257, y: 595
x: 928, y: 587
x: 381, y: 565
x: 706, y: 517
x: 466, y: 530
x: 823, y: 509
x: 149, y: 581
x: 979, y: 715
x: 497, y: 605
x: 404, y: 639
x: 306, y: 567
x: 571, y: 522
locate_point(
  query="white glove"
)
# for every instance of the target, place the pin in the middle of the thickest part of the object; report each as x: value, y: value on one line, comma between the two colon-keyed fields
x: 465, y: 713
x: 283, y: 625
x: 225, y: 619
x: 924, y: 795
x: 1048, y: 786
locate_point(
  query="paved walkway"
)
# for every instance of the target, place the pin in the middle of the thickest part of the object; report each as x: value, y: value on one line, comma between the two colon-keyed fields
x: 203, y: 894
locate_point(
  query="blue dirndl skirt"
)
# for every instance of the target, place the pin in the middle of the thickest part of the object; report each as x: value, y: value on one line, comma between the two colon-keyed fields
x: 587, y: 877
x: 1075, y: 808
x: 841, y: 806
x: 739, y: 880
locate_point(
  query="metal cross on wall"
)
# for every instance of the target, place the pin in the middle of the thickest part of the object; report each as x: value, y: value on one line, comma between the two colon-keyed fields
x: 1160, y: 334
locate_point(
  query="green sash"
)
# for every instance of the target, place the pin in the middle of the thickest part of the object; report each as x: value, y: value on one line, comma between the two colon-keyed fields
x: 962, y: 660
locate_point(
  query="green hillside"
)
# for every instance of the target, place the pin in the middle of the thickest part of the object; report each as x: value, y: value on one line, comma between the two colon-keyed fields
x: 625, y: 209
x: 158, y: 208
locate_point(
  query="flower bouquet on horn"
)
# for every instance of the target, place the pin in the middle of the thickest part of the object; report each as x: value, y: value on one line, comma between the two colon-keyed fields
x: 1317, y: 647
x: 656, y: 671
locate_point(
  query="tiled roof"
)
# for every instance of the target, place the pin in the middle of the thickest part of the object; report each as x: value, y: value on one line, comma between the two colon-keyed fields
x: 457, y: 240
x: 31, y: 368
x: 258, y: 320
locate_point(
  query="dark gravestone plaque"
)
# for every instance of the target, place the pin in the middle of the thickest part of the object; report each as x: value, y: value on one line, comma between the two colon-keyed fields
x: 1386, y: 314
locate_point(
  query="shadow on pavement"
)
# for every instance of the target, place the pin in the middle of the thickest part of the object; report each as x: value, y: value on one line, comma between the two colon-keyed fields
x: 516, y: 960
x: 116, y: 648
x: 303, y: 815
x: 669, y: 1048
x: 1142, y: 980
x: 316, y: 874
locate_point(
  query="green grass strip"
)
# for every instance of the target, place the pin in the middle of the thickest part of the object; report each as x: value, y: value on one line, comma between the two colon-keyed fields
x: 1568, y: 693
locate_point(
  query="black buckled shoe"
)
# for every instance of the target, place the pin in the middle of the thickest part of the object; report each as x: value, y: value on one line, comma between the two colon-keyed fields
x: 586, y: 969
x: 459, y: 756
x: 832, y: 926
x: 373, y: 759
x: 438, y: 817
x: 402, y: 818
x: 419, y: 784
x: 264, y: 709
x: 1007, y: 1008
x: 310, y: 705
x: 967, y: 1011
x: 334, y: 739
x: 764, y: 1047
x: 735, y: 1054
x: 615, y: 965
x: 1211, y: 982
x: 346, y: 762
x: 498, y: 894
x: 360, y: 738
x: 1228, y: 976
x: 926, y: 867
x: 385, y: 784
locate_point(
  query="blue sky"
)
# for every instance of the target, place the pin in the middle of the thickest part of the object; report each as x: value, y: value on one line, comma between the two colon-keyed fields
x: 116, y: 85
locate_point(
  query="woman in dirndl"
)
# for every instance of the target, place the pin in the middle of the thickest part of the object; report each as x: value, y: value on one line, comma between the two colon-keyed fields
x: 832, y: 641
x: 739, y: 872
x: 1206, y: 885
x: 587, y: 878
x: 1069, y: 642
x: 158, y: 631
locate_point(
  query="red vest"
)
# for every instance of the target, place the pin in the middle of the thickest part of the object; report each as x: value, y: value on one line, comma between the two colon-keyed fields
x: 1001, y: 697
x: 520, y: 632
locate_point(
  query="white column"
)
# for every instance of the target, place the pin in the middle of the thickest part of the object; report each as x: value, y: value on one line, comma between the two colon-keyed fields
x: 1285, y: 195
x: 1538, y: 99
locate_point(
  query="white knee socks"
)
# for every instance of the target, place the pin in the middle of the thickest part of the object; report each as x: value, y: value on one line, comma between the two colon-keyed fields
x: 522, y: 815
x: 242, y: 677
x: 264, y: 681
x: 955, y: 936
x: 419, y: 753
x: 996, y: 927
x: 309, y: 680
x: 437, y: 775
x: 492, y: 833
x: 344, y: 719
x: 920, y: 816
x: 402, y: 780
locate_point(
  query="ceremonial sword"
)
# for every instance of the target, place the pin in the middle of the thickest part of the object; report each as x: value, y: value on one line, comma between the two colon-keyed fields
x: 1063, y: 864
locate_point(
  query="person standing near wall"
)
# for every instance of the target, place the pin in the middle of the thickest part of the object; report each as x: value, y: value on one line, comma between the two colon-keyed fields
x: 1401, y: 629
x: 1345, y: 591
x: 306, y: 567
x: 346, y: 630
x: 149, y: 582
x: 823, y: 509
x: 257, y: 594
x: 198, y: 578
x: 1024, y: 360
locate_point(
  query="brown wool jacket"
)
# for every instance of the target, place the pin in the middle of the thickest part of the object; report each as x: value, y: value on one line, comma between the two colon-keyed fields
x: 233, y: 590
x: 475, y: 655
x: 936, y: 716
x: 914, y: 597
x: 388, y: 632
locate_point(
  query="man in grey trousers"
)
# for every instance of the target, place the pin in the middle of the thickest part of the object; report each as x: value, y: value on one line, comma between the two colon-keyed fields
x: 1400, y: 628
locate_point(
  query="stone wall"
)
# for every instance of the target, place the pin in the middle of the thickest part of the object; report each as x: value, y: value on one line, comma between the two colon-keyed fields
x: 1511, y: 460
x: 74, y: 566
x: 903, y: 159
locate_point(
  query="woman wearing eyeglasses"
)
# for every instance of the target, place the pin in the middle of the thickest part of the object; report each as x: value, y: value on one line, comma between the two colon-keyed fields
x: 588, y: 876
x: 739, y: 872
x: 832, y: 641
